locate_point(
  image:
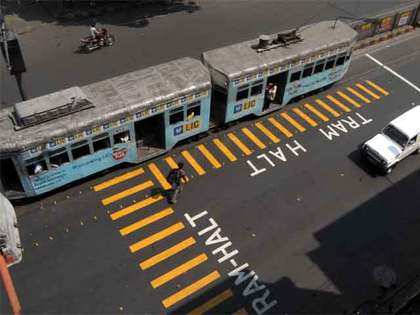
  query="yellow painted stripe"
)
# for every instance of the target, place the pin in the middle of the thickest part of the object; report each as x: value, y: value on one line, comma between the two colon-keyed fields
x: 280, y: 127
x: 305, y: 117
x: 239, y: 144
x: 364, y: 88
x: 338, y: 103
x: 349, y: 99
x: 364, y: 99
x: 316, y: 112
x: 210, y: 157
x: 181, y: 269
x: 159, y: 176
x: 156, y: 237
x: 253, y: 138
x: 224, y: 150
x: 137, y: 206
x: 172, y: 164
x: 212, y: 303
x: 197, y: 167
x: 293, y: 122
x: 377, y: 87
x: 127, y: 192
x: 327, y: 108
x: 144, y: 222
x: 118, y: 179
x: 267, y: 132
x: 191, y: 289
x: 167, y: 253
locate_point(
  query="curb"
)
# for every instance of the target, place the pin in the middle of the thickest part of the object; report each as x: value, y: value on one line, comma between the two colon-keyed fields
x: 383, y: 37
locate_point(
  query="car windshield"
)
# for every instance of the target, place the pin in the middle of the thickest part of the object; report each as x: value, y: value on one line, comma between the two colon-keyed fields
x: 396, y: 135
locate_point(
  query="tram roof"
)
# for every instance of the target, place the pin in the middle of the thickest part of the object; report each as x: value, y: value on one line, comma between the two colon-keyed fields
x: 240, y: 59
x: 112, y: 98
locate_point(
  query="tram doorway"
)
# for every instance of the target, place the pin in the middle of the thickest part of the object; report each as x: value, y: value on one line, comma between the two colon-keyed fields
x: 9, y: 176
x: 150, y: 136
x: 280, y: 82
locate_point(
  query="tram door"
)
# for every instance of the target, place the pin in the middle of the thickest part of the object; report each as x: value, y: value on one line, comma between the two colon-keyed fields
x: 9, y: 176
x: 281, y: 81
x: 150, y: 135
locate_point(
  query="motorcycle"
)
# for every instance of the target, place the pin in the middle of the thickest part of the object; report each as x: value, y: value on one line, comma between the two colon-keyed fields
x: 89, y: 43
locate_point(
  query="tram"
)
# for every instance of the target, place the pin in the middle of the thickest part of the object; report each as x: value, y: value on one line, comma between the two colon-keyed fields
x: 52, y: 140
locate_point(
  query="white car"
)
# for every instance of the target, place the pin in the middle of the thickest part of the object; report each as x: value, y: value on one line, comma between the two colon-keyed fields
x: 400, y: 138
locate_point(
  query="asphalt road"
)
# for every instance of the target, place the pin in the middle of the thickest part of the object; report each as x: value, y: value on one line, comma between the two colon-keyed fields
x: 305, y: 235
x: 169, y: 33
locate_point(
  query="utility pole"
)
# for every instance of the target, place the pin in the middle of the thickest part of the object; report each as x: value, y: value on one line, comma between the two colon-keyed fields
x: 12, y: 53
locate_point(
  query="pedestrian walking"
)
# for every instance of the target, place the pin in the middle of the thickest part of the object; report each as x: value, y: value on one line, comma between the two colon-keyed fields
x: 176, y: 179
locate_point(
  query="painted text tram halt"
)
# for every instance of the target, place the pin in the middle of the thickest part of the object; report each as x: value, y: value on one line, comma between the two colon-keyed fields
x: 55, y: 139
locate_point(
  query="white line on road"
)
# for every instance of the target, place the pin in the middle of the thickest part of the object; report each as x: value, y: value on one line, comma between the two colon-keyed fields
x: 394, y: 73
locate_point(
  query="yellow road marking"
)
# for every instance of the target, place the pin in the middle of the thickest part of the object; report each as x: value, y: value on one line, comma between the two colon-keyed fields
x: 181, y: 269
x: 293, y: 122
x: 267, y: 132
x: 375, y: 86
x: 316, y: 112
x: 137, y: 206
x: 172, y: 164
x: 167, y: 253
x: 362, y: 87
x: 159, y: 176
x: 253, y: 138
x: 305, y: 117
x: 338, y: 103
x: 239, y: 143
x: 118, y: 179
x: 127, y: 192
x: 364, y: 99
x: 197, y: 167
x: 192, y: 288
x: 224, y: 150
x: 327, y: 108
x: 144, y: 222
x: 349, y: 99
x: 156, y: 237
x: 280, y: 127
x: 210, y: 157
x: 212, y: 303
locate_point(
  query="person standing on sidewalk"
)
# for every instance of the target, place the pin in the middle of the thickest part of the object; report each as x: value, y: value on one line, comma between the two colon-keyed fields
x: 176, y: 178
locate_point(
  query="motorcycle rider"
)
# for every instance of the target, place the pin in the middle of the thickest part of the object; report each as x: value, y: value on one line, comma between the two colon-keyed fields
x: 96, y: 35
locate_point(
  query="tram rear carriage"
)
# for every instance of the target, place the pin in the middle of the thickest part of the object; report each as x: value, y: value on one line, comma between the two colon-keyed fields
x: 297, y: 62
x: 52, y: 140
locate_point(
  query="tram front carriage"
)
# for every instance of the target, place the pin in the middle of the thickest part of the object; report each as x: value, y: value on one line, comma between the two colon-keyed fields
x: 297, y: 62
x: 52, y: 140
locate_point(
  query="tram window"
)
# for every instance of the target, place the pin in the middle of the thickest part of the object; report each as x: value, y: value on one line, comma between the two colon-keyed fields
x: 330, y: 63
x: 242, y: 94
x: 101, y: 142
x: 122, y: 137
x: 193, y: 110
x: 58, y: 157
x: 176, y: 116
x: 319, y: 66
x: 80, y: 149
x: 308, y: 70
x: 256, y: 89
x: 295, y: 76
x: 340, y: 60
x: 36, y: 166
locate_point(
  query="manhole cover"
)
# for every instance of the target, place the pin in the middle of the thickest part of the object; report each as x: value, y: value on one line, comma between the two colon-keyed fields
x: 384, y: 276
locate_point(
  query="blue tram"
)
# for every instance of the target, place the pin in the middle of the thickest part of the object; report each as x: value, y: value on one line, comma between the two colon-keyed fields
x: 55, y: 139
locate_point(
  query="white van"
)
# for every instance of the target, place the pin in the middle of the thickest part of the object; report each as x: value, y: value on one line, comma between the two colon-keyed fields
x: 400, y: 138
